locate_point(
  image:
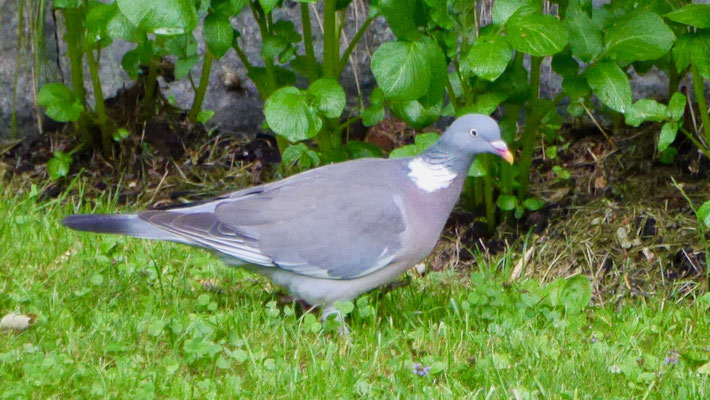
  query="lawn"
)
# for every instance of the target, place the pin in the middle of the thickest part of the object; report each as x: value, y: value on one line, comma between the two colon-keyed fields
x: 125, y: 318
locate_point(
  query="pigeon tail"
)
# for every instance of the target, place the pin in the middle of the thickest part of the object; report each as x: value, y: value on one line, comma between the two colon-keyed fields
x: 121, y: 224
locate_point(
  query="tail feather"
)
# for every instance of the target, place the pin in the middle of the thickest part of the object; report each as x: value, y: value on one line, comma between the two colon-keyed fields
x: 122, y: 224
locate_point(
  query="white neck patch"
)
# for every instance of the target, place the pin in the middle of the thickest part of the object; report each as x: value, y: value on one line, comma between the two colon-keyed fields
x: 430, y: 177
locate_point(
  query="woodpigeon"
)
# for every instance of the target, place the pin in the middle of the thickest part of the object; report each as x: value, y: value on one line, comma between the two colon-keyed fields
x: 330, y: 233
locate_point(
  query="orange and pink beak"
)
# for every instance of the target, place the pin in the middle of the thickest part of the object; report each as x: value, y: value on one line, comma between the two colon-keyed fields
x: 502, y: 150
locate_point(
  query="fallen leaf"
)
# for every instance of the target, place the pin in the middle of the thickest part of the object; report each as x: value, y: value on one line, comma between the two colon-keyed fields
x: 17, y: 322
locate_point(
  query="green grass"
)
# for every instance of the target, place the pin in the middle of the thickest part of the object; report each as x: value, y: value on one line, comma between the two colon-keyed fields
x: 125, y: 318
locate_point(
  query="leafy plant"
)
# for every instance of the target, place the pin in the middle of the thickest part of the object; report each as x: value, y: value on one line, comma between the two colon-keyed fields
x: 482, y: 68
x: 296, y: 114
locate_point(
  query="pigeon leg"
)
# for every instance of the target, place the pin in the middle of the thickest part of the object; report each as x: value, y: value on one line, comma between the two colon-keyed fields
x: 329, y: 309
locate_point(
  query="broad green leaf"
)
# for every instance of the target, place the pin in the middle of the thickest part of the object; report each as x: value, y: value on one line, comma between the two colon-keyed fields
x: 356, y: 149
x: 228, y: 8
x: 645, y: 110
x: 183, y: 66
x: 484, y: 103
x: 536, y: 34
x: 402, y: 70
x: 440, y: 13
x: 345, y: 307
x: 300, y: 155
x: 503, y: 9
x: 477, y: 170
x: 437, y: 79
x: 575, y: 86
x: 288, y: 113
x: 565, y: 65
x: 576, y: 294
x: 703, y: 214
x: 644, y: 36
x: 179, y: 45
x: 507, y: 202
x: 204, y: 115
x: 421, y: 142
x: 131, y: 63
x: 585, y: 38
x: 372, y: 115
x: 60, y: 103
x: 488, y: 57
x: 96, y: 22
x: 676, y: 106
x: 667, y: 136
x: 161, y: 17
x: 697, y: 15
x: 272, y: 46
x: 218, y: 32
x: 286, y: 30
x: 119, y: 27
x: 328, y: 97
x: 415, y: 114
x: 377, y: 97
x: 668, y: 156
x: 404, y: 17
x: 58, y: 165
x: 533, y: 204
x: 693, y: 48
x: 610, y: 84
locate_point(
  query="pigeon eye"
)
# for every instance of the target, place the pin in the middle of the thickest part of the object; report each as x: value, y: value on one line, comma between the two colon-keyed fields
x: 473, y: 133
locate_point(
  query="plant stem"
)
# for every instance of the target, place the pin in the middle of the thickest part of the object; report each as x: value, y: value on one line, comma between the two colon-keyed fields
x: 488, y: 196
x: 308, y: 39
x: 534, y: 117
x: 512, y: 113
x: 150, y: 85
x: 74, y: 39
x: 699, y: 88
x: 38, y: 52
x: 202, y: 88
x: 352, y: 44
x: 330, y: 54
x: 20, y: 29
x: 261, y: 21
x: 101, y: 119
x: 700, y: 146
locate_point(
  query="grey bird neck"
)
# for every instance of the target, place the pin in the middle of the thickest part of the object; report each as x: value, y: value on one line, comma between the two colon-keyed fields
x: 444, y: 154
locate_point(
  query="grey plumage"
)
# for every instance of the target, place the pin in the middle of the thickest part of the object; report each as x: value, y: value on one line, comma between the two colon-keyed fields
x: 333, y: 232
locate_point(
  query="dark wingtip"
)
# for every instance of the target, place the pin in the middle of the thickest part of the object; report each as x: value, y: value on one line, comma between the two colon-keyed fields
x: 100, y: 223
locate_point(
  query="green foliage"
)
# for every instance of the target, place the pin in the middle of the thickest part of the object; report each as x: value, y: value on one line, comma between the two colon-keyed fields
x: 402, y: 70
x: 703, y: 214
x: 697, y: 15
x: 610, y: 84
x: 421, y: 142
x: 299, y: 115
x: 442, y: 63
x: 58, y: 165
x: 300, y: 155
x: 160, y: 17
x: 60, y: 102
x: 536, y: 34
x: 218, y: 34
x: 496, y: 52
x: 641, y: 36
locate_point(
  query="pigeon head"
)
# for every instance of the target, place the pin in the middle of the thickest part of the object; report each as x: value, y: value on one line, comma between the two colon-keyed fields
x: 475, y: 134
